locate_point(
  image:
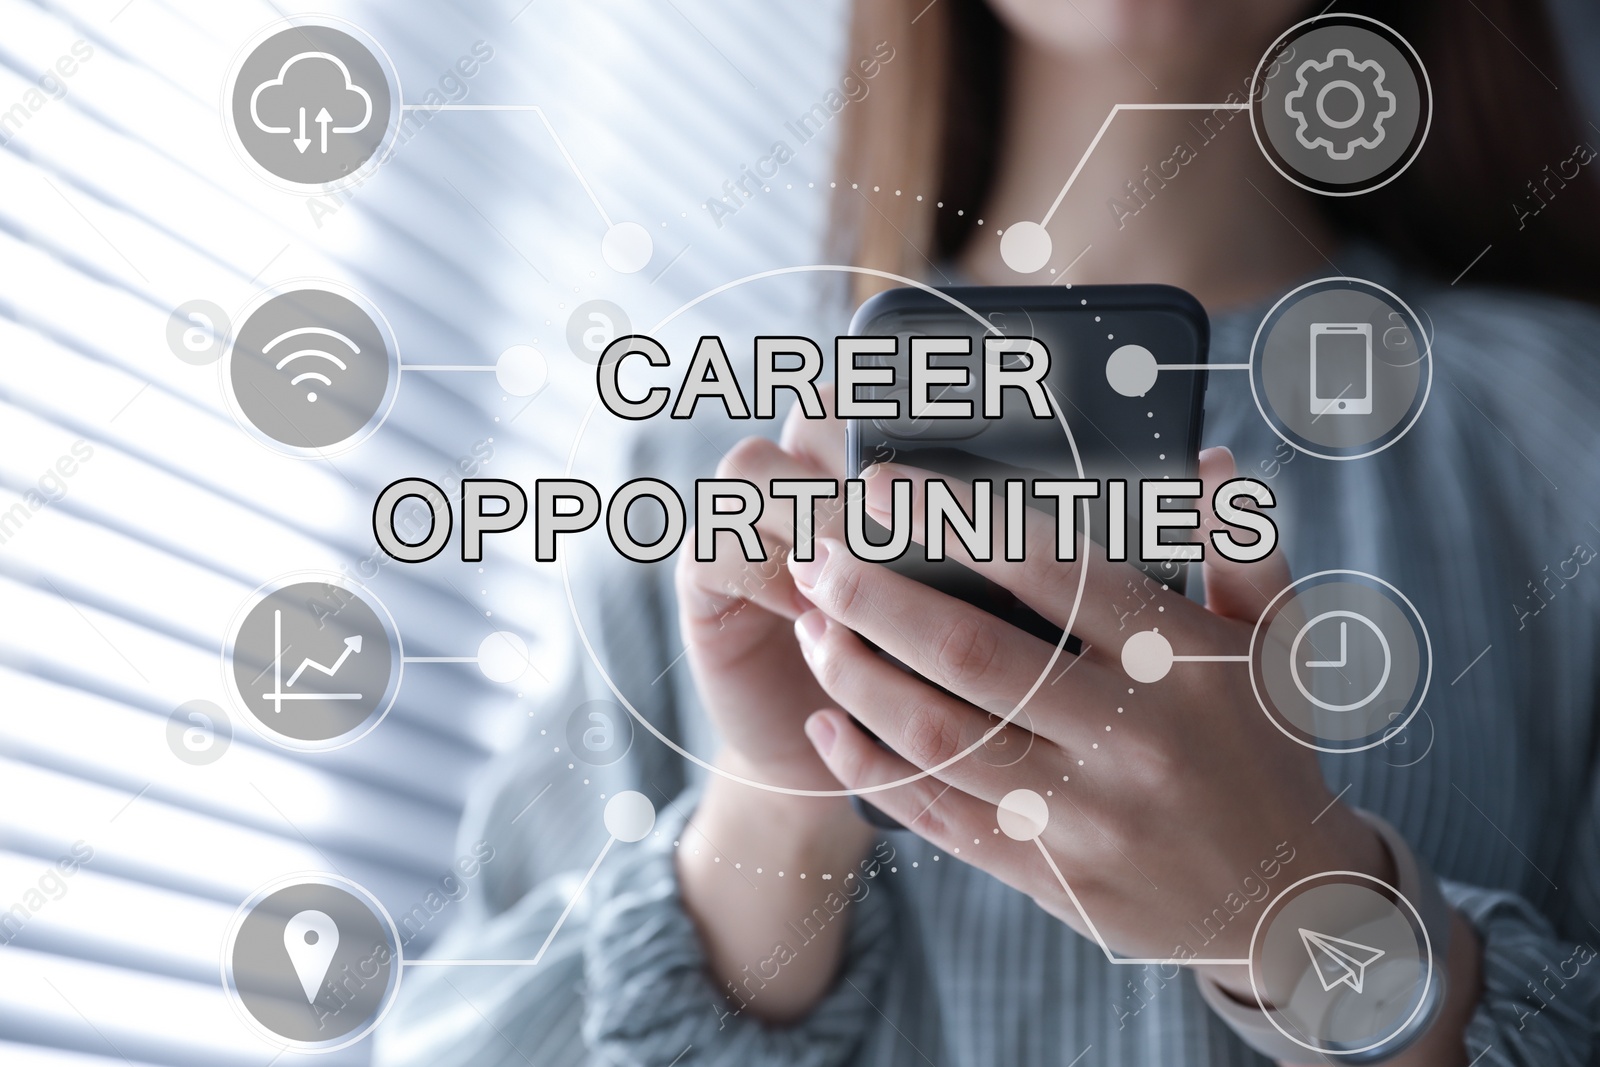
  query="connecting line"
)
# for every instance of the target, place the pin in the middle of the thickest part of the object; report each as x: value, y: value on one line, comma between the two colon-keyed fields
x: 554, y: 930
x: 554, y: 136
x: 1211, y: 659
x: 1106, y: 125
x: 448, y: 366
x: 439, y: 659
x: 1205, y: 366
x: 1095, y: 933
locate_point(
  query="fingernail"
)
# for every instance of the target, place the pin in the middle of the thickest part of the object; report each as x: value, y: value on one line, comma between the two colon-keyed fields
x: 809, y: 628
x: 806, y: 573
x: 822, y: 732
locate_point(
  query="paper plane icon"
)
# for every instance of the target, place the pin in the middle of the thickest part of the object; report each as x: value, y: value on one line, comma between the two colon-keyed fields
x: 1338, y: 961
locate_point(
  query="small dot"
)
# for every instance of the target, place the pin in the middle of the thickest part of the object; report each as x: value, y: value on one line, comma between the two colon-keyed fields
x: 758, y: 870
x: 1064, y: 778
x: 876, y: 189
x: 1080, y: 763
x: 960, y: 212
x: 1161, y: 608
x: 1163, y: 456
x: 894, y: 870
x: 737, y: 866
x: 802, y: 874
x: 936, y: 859
x: 1158, y: 437
x: 1119, y: 711
x: 1108, y: 729
x: 1097, y: 318
x: 1130, y: 692
x: 897, y: 192
x: 919, y: 200
x: 1095, y: 745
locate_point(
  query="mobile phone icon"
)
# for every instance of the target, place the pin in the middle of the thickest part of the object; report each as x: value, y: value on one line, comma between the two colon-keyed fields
x: 1341, y: 368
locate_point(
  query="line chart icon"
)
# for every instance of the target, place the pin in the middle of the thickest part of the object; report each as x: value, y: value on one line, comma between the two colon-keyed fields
x: 313, y: 660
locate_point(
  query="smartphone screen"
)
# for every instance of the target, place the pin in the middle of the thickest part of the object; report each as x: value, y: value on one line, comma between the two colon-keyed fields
x: 1137, y: 428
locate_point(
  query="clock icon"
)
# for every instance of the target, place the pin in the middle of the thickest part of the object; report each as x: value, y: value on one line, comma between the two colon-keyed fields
x: 1362, y: 654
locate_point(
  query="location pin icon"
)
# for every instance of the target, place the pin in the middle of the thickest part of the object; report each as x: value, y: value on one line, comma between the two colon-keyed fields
x: 311, y: 938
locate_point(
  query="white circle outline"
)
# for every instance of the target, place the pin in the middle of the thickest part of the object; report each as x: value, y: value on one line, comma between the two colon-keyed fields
x: 333, y: 881
x: 1361, y: 104
x: 396, y: 657
x: 1294, y: 658
x: 1427, y: 944
x: 1417, y: 68
x: 391, y: 390
x: 1270, y: 613
x: 1426, y: 357
x: 706, y: 765
x: 391, y: 132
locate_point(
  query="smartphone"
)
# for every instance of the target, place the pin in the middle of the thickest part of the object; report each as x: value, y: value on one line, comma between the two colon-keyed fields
x: 1341, y: 368
x: 1128, y: 418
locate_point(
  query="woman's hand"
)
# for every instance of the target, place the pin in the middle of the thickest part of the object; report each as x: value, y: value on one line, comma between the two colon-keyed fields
x: 737, y: 617
x: 1163, y: 798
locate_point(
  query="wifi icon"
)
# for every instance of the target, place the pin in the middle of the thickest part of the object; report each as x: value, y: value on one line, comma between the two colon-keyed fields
x: 304, y: 376
x: 312, y: 370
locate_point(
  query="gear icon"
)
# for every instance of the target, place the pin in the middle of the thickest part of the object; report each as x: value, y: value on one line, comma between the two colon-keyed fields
x: 1340, y: 75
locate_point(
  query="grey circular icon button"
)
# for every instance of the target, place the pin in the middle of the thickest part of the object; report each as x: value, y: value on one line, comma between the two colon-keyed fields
x: 593, y: 325
x: 314, y: 661
x: 197, y: 332
x: 312, y: 370
x: 599, y: 732
x: 313, y: 104
x: 199, y: 733
x: 1340, y: 661
x: 1341, y: 104
x: 312, y: 962
x: 1341, y: 368
x: 1341, y: 963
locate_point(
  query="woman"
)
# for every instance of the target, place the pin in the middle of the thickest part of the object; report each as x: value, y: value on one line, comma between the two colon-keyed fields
x: 930, y: 954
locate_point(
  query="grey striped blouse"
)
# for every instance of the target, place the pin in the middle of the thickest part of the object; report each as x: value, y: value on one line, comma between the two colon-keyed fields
x: 1485, y: 515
